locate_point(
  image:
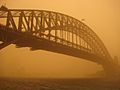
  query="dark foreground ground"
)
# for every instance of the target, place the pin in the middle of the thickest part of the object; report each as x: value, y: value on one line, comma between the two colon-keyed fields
x: 59, y: 84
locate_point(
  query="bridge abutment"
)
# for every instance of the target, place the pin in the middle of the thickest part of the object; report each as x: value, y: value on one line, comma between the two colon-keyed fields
x: 111, y: 69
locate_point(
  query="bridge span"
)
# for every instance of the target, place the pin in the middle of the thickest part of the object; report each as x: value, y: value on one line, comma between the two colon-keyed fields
x: 55, y: 32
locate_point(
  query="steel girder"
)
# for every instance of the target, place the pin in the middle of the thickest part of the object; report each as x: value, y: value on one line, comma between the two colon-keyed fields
x: 56, y: 27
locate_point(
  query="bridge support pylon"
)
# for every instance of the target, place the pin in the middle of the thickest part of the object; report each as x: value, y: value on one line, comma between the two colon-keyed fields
x: 111, y: 69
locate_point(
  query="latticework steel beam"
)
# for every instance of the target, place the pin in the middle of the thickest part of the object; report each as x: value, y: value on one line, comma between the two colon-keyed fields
x: 52, y: 26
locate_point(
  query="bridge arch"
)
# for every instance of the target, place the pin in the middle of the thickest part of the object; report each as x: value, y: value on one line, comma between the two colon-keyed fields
x: 54, y: 32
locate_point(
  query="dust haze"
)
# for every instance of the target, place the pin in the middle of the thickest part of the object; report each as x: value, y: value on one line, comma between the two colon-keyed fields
x: 103, y: 16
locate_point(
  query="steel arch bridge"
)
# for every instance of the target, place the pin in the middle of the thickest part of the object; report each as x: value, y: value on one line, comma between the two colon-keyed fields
x: 52, y: 31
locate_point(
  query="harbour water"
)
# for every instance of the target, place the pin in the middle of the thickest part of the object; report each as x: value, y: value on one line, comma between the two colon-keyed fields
x: 58, y: 84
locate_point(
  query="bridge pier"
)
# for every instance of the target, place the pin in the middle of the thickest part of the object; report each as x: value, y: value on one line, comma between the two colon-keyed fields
x: 111, y: 69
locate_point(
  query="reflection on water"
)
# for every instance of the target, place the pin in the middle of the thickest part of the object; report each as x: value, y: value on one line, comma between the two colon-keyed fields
x: 58, y: 84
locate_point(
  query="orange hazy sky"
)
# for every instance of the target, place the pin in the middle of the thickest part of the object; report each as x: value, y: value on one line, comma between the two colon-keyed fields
x: 103, y: 16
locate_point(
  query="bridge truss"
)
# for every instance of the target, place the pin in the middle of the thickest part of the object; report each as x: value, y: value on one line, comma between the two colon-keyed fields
x: 55, y: 28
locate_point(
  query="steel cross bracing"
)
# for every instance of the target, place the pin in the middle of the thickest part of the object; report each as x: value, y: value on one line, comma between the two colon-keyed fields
x: 53, y: 26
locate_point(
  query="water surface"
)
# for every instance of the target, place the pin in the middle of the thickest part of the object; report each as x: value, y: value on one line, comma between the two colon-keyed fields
x: 58, y: 84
